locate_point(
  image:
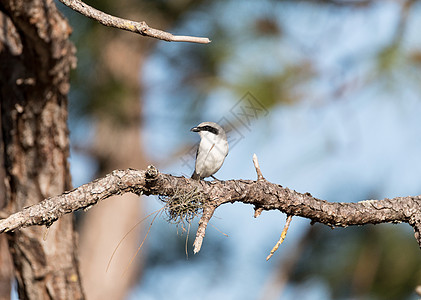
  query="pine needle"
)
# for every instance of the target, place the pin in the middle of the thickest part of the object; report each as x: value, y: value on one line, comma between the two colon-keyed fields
x: 144, y: 239
x: 131, y: 229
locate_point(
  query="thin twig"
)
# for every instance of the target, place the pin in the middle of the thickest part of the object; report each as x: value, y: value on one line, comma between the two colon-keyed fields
x: 133, y: 26
x: 282, y: 238
x: 257, y: 167
x: 201, y: 230
x: 258, y: 211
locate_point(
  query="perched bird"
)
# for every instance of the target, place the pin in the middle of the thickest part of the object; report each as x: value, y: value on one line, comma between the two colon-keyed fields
x: 212, y: 150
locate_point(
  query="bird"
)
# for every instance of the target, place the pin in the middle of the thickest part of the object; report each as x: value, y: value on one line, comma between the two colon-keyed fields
x: 212, y: 150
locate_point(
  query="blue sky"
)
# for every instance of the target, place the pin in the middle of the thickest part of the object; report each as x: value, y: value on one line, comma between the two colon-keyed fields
x: 339, y: 148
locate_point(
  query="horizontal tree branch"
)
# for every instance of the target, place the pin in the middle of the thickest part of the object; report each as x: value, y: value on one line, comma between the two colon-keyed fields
x: 133, y: 26
x: 261, y: 193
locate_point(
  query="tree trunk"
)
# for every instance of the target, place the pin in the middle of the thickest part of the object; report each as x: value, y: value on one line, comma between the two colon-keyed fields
x: 35, y: 60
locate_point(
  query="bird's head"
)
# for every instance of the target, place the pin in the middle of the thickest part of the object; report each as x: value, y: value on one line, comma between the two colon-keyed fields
x: 206, y: 128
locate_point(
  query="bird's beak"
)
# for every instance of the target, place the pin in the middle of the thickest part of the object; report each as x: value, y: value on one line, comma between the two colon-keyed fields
x: 195, y: 129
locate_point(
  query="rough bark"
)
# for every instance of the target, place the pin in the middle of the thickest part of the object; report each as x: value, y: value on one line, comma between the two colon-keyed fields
x: 6, y: 269
x: 261, y: 193
x: 36, y: 57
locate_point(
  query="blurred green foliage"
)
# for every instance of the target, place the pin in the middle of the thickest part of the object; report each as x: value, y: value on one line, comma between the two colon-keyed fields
x: 369, y: 262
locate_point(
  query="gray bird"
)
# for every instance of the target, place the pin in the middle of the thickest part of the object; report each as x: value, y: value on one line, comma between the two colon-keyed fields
x: 212, y: 150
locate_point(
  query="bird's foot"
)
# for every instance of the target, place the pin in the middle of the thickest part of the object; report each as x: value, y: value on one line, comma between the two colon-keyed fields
x: 214, y: 178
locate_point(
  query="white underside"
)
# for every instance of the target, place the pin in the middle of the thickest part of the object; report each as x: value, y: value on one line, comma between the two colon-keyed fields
x: 211, y: 156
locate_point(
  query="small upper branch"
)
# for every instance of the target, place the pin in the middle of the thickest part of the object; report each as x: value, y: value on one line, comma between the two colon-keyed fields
x: 257, y: 167
x: 257, y: 210
x: 136, y: 27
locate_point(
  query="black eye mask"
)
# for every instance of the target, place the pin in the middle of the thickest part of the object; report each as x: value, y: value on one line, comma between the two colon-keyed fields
x: 209, y: 128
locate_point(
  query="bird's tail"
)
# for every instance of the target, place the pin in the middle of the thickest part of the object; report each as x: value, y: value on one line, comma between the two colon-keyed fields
x: 195, y: 175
